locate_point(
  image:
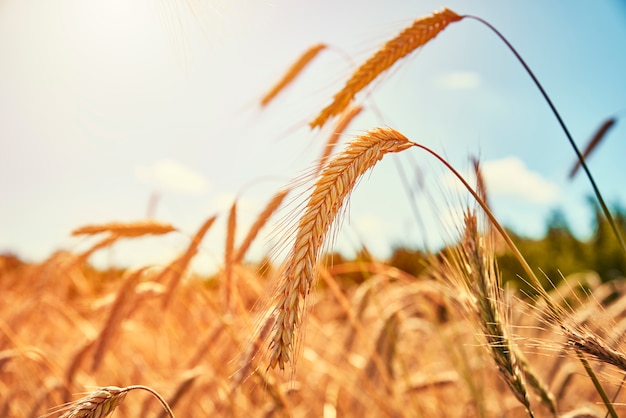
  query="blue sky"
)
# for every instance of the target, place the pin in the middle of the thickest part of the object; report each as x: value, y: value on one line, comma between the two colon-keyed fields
x: 105, y: 104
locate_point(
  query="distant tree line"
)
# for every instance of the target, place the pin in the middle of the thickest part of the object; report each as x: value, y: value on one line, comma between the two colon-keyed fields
x: 557, y: 254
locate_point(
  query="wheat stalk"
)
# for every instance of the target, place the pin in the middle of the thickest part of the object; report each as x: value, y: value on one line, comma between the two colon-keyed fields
x: 330, y: 191
x: 184, y: 386
x: 129, y: 230
x: 418, y: 34
x: 295, y: 69
x: 231, y: 230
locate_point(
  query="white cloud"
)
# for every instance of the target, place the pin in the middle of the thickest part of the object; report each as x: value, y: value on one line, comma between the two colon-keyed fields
x: 510, y: 177
x: 171, y: 175
x: 459, y: 80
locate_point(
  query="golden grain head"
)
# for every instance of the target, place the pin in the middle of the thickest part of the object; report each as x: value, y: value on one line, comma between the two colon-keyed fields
x: 422, y: 31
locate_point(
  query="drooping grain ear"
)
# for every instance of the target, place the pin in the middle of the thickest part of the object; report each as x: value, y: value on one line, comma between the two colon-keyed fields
x: 329, y: 194
x: 293, y: 71
x: 418, y: 34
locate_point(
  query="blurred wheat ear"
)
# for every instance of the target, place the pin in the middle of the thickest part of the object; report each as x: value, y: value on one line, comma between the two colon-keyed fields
x: 127, y: 230
x: 422, y: 31
x: 293, y: 71
x: 593, y: 143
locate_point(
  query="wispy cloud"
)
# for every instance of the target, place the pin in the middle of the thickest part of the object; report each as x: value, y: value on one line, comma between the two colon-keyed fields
x: 459, y: 80
x: 173, y: 176
x: 510, y: 177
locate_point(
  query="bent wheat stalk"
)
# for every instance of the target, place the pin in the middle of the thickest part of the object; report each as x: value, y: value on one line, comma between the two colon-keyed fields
x: 418, y: 34
x: 330, y: 191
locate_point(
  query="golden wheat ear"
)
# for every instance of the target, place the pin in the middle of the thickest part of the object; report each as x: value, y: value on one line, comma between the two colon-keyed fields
x: 418, y: 34
x: 330, y: 192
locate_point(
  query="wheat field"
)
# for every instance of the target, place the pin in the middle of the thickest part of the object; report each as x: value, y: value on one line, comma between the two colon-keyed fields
x: 388, y: 345
x: 305, y: 336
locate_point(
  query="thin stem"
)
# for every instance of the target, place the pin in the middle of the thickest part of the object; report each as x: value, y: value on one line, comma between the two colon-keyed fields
x: 162, y: 401
x: 583, y: 164
x: 621, y: 385
x: 597, y: 384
